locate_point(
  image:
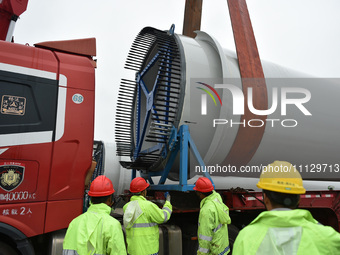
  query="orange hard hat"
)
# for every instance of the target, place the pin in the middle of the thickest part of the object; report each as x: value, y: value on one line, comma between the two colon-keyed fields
x: 204, y: 185
x: 101, y: 187
x: 138, y: 184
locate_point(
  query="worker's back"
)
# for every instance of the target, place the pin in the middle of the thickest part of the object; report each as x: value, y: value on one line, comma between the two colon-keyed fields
x: 141, y: 219
x: 285, y: 231
x: 95, y: 231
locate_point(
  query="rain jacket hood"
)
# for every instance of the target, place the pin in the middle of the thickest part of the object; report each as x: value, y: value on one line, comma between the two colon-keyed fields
x: 131, y: 216
x: 221, y: 208
x: 94, y: 222
x: 292, y: 217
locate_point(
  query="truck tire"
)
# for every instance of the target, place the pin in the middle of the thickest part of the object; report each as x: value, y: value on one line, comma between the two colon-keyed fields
x: 5, y: 249
x: 232, y: 233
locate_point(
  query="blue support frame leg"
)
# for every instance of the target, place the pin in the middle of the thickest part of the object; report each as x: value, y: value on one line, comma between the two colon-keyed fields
x: 181, y: 143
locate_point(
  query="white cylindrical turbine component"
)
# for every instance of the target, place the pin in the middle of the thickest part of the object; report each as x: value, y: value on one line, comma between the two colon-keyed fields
x: 301, y: 123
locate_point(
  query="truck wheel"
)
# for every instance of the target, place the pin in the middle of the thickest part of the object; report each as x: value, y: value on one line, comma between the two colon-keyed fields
x: 232, y: 233
x: 5, y: 249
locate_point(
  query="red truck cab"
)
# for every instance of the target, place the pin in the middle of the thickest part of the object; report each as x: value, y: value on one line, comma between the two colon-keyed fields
x: 47, y: 97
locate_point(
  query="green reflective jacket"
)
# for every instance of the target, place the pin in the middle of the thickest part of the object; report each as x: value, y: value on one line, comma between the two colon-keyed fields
x: 94, y: 232
x: 213, y: 226
x: 287, y: 232
x: 141, y: 219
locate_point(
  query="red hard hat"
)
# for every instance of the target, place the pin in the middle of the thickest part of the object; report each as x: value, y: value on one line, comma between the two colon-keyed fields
x: 138, y: 184
x: 101, y: 187
x: 204, y: 185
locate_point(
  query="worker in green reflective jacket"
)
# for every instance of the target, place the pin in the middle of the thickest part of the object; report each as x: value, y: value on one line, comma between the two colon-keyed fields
x: 96, y: 232
x: 141, y: 219
x: 283, y: 229
x: 213, y: 220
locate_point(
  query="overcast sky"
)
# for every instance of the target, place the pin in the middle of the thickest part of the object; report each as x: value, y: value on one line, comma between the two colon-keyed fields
x: 300, y: 34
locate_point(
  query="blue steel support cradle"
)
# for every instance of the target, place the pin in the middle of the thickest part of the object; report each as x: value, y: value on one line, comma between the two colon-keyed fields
x: 179, y: 142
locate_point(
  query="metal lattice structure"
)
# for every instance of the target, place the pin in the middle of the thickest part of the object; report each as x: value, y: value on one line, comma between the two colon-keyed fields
x: 147, y: 107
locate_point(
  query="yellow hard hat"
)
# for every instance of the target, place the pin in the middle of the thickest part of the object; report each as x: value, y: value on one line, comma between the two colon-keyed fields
x: 281, y: 176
